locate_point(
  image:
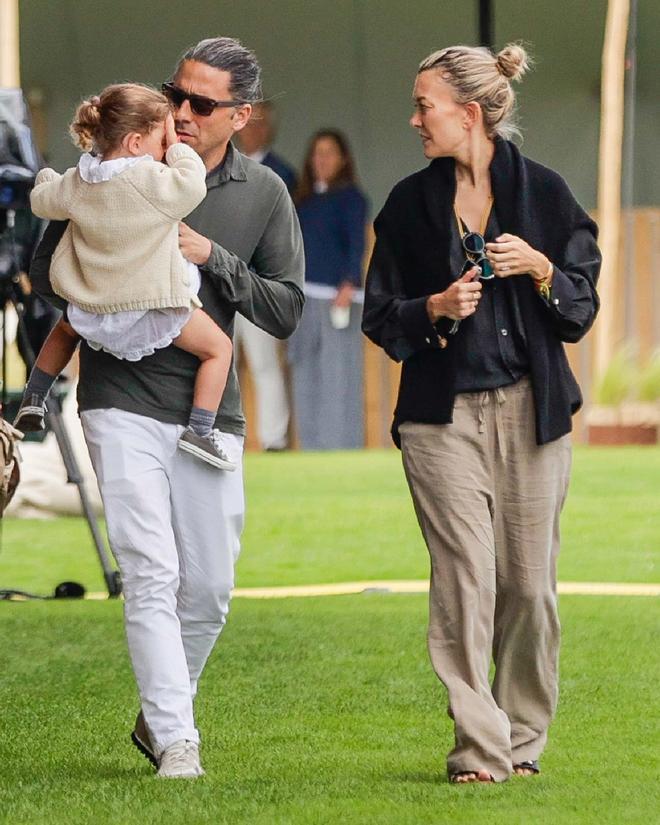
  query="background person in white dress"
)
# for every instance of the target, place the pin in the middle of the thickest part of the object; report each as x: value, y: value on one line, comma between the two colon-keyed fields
x: 262, y: 350
x: 124, y: 209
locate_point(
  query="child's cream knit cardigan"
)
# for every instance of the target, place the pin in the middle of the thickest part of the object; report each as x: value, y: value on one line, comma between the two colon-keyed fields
x: 120, y: 250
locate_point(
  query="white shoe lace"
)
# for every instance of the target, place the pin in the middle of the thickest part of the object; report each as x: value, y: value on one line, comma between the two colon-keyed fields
x: 180, y: 757
x: 216, y: 440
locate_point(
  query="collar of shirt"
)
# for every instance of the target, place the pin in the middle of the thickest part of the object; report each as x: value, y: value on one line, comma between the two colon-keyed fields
x: 93, y: 169
x: 231, y: 168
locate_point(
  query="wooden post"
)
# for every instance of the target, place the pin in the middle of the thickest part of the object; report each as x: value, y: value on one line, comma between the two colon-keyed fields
x: 609, y: 175
x: 10, y: 77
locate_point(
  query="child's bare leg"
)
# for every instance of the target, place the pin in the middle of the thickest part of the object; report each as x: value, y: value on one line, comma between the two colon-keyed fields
x: 202, y: 337
x: 58, y: 348
x: 55, y: 354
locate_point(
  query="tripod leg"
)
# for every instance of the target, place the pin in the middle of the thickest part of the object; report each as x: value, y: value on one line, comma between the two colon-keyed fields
x: 74, y: 476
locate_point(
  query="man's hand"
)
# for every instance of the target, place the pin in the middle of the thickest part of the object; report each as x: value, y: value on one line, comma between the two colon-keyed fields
x: 194, y: 247
x: 457, y: 301
x: 510, y: 255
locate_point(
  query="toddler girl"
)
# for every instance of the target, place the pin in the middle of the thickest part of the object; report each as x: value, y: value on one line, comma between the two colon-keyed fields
x: 118, y: 264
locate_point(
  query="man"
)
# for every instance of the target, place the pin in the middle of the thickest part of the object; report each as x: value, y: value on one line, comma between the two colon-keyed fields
x: 174, y: 524
x: 256, y: 141
x: 262, y: 350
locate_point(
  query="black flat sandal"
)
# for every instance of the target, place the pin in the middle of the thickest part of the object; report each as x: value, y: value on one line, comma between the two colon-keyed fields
x: 529, y: 765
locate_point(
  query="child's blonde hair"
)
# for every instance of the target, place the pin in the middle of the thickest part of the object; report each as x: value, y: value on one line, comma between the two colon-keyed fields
x: 101, y: 122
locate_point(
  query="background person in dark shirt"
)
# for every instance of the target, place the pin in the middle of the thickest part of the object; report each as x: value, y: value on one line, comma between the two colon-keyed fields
x: 325, y: 353
x: 483, y: 416
x: 256, y: 141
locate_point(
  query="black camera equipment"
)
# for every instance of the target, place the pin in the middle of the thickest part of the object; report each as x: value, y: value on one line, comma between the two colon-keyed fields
x: 19, y: 164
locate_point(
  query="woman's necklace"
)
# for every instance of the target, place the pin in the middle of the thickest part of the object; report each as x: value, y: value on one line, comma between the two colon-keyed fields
x: 462, y: 226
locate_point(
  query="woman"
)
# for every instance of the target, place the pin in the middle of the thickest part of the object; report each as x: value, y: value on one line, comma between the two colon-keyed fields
x: 325, y: 353
x: 484, y: 409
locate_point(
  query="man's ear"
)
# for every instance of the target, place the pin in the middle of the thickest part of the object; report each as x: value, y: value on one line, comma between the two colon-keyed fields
x: 241, y: 116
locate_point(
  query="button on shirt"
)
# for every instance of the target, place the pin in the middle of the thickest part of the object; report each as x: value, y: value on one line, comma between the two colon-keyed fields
x: 491, y: 345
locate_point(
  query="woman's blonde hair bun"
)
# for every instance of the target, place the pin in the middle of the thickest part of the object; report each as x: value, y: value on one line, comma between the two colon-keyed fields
x: 513, y: 61
x: 476, y: 74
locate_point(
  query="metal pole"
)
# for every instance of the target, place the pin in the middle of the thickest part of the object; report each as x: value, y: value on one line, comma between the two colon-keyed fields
x: 486, y: 24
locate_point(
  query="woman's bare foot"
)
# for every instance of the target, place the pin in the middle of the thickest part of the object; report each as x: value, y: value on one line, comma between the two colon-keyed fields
x: 463, y: 777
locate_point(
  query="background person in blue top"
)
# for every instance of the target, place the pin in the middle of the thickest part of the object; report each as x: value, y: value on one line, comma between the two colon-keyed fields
x: 325, y: 353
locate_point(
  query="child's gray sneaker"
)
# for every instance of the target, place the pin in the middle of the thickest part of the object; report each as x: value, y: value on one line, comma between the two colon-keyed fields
x: 207, y: 448
x: 180, y: 761
x: 31, y: 414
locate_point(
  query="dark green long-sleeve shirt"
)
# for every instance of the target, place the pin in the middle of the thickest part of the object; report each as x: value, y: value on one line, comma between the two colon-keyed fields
x: 256, y: 268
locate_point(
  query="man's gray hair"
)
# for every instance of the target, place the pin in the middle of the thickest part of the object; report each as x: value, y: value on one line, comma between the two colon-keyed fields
x: 231, y: 56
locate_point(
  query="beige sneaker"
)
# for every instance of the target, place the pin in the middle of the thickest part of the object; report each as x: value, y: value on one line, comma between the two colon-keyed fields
x: 180, y: 761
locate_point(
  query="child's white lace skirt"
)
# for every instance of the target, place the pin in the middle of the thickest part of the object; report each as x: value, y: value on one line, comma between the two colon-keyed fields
x: 130, y: 335
x: 133, y: 334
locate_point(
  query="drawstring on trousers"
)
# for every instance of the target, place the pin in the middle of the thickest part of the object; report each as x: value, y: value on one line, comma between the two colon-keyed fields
x: 484, y: 400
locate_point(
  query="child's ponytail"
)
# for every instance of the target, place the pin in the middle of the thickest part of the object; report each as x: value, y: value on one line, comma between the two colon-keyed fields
x: 86, y: 124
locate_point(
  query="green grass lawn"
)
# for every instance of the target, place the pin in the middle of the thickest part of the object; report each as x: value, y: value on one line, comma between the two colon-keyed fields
x: 317, y: 518
x: 316, y: 711
x: 320, y: 710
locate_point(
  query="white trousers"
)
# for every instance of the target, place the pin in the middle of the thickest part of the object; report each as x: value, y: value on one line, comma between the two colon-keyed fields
x: 174, y: 525
x: 262, y: 353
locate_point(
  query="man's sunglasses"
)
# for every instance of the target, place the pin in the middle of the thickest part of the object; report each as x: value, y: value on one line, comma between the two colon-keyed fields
x: 200, y: 105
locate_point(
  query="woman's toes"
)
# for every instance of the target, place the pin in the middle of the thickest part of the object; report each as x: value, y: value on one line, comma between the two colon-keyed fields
x: 471, y: 776
x: 462, y: 778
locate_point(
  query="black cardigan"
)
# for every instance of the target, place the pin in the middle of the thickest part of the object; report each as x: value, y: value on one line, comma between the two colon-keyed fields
x: 411, y: 262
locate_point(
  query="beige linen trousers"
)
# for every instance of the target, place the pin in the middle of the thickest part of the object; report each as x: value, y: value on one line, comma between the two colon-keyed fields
x: 488, y: 500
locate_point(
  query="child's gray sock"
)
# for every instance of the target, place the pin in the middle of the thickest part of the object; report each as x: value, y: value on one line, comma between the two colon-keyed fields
x: 201, y: 421
x: 39, y: 384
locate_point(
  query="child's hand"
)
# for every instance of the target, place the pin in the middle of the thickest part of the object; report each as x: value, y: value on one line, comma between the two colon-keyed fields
x: 171, y: 136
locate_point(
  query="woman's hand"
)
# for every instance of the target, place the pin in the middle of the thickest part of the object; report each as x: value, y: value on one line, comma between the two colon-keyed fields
x: 510, y: 255
x: 344, y: 295
x: 171, y: 136
x: 194, y: 247
x: 457, y: 301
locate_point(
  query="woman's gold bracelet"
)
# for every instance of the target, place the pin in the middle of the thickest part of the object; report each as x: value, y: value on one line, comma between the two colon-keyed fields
x: 543, y: 284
